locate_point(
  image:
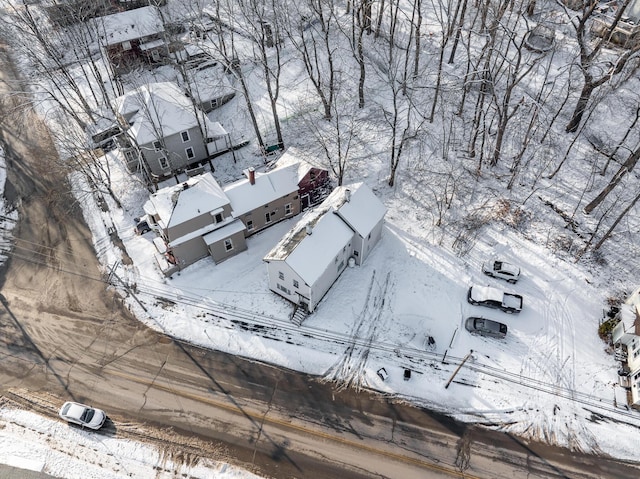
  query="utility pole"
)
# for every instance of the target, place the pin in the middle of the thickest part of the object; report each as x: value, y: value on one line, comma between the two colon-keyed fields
x: 458, y: 369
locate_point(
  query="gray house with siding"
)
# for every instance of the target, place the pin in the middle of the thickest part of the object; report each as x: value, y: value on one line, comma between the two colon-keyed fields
x: 198, y: 218
x: 263, y: 199
x: 194, y: 219
x: 165, y: 132
x: 306, y: 262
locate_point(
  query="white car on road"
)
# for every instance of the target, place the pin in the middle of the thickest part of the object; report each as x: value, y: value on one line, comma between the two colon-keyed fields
x: 83, y: 415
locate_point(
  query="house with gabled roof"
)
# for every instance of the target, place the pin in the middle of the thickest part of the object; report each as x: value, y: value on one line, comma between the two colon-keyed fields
x: 164, y: 131
x: 344, y: 228
x: 194, y: 219
x: 626, y: 339
x: 313, y: 181
x: 263, y: 199
x: 130, y: 37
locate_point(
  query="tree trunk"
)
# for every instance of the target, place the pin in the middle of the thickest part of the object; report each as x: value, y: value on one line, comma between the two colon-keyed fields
x: 581, y: 106
x: 615, y: 223
x: 615, y: 180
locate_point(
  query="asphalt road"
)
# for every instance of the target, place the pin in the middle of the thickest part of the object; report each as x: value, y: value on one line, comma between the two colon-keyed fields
x: 64, y: 335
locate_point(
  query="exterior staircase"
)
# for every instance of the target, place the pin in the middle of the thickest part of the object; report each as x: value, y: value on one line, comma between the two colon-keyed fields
x: 298, y: 315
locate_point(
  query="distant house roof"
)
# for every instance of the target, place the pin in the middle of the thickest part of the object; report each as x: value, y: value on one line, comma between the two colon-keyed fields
x: 209, y: 83
x: 332, y: 225
x: 129, y: 25
x: 268, y: 187
x: 159, y: 110
x: 310, y: 254
x: 293, y: 157
x: 176, y: 204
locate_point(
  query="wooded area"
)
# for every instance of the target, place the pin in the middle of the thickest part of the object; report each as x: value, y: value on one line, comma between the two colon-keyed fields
x: 455, y: 94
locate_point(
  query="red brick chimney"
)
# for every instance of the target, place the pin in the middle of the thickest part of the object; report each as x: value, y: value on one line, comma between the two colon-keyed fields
x: 252, y: 176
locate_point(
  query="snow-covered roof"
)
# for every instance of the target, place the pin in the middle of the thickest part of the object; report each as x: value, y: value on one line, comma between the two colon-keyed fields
x: 358, y: 206
x: 309, y: 255
x: 209, y: 83
x: 232, y: 228
x: 176, y: 204
x: 129, y: 25
x: 268, y: 187
x: 332, y: 226
x: 160, y: 110
x: 293, y: 157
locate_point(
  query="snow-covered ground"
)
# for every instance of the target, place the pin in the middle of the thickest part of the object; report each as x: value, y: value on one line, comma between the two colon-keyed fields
x: 29, y: 441
x: 551, y: 379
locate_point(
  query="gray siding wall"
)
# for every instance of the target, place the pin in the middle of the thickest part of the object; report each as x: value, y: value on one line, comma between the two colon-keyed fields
x: 190, y: 251
x: 276, y: 210
x: 219, y: 252
x: 174, y: 151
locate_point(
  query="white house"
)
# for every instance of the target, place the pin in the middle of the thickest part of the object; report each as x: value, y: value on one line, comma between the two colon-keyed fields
x: 306, y: 262
x: 626, y: 337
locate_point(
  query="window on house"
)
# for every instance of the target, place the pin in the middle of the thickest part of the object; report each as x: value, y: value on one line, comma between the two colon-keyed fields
x: 164, y: 164
x: 266, y: 206
x: 249, y: 225
x: 190, y: 153
x: 228, y: 244
x: 281, y: 275
x: 312, y: 175
x: 185, y: 136
x: 157, y: 146
x: 267, y: 217
x: 355, y: 253
x: 287, y: 209
x: 131, y: 156
x: 126, y: 45
x: 282, y: 288
x: 218, y: 218
x: 295, y: 284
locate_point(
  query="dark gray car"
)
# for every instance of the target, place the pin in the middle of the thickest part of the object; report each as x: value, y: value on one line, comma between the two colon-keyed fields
x: 486, y: 327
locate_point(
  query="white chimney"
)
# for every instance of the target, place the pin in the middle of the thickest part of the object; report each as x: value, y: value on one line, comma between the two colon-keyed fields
x: 252, y: 176
x: 309, y: 229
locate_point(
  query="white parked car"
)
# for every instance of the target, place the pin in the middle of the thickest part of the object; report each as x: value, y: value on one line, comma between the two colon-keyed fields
x: 495, y: 298
x: 502, y: 270
x: 83, y: 415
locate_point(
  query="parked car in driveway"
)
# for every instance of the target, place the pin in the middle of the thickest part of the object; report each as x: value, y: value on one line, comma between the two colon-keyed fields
x: 495, y: 298
x: 485, y: 327
x: 502, y: 270
x: 83, y: 415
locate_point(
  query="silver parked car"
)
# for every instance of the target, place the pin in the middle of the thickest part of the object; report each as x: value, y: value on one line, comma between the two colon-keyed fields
x: 486, y: 327
x: 82, y: 415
